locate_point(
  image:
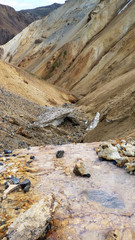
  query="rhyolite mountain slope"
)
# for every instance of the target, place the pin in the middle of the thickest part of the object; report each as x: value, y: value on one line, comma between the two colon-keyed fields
x: 88, y: 48
x: 12, y: 22
x: 40, y: 12
x: 30, y: 88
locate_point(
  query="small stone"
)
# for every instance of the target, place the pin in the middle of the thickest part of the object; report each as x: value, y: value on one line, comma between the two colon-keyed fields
x: 26, y: 189
x: 32, y: 157
x: 67, y: 171
x: 7, y: 184
x: 25, y: 185
x: 6, y: 151
x: 59, y: 154
x: 7, y: 178
x: 65, y: 105
x: 2, y: 223
x: 16, y: 208
x: 14, y: 180
x: 14, y: 155
x: 28, y: 162
x: 1, y: 163
x: 81, y: 170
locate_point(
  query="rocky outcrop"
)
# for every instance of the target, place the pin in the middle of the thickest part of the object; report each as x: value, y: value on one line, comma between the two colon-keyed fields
x: 53, y: 116
x: 99, y: 207
x: 122, y: 153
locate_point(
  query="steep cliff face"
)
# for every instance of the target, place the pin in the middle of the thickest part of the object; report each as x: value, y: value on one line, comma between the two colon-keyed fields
x: 88, y: 48
x: 13, y: 22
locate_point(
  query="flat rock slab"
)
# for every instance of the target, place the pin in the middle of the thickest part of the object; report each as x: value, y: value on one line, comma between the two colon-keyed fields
x: 34, y: 222
x: 53, y: 116
x: 87, y: 208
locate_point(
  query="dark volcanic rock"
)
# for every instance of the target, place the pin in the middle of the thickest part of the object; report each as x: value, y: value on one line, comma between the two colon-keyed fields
x: 59, y: 154
x: 6, y: 151
x: 14, y: 180
x: 25, y: 185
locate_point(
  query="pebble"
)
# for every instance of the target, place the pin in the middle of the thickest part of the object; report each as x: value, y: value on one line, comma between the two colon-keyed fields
x: 1, y: 164
x: 6, y: 151
x: 81, y: 170
x: 14, y: 155
x: 16, y: 208
x: 2, y: 223
x: 7, y: 184
x: 59, y: 154
x: 30, y: 161
x: 25, y: 185
x: 26, y: 189
x: 7, y: 178
x: 14, y: 180
x: 32, y: 157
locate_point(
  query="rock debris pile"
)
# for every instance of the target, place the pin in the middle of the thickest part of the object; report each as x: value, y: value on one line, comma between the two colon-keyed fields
x: 123, y: 153
x: 21, y: 123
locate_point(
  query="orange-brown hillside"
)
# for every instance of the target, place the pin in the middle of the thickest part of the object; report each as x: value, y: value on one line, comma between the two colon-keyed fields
x: 31, y: 88
x: 87, y: 48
